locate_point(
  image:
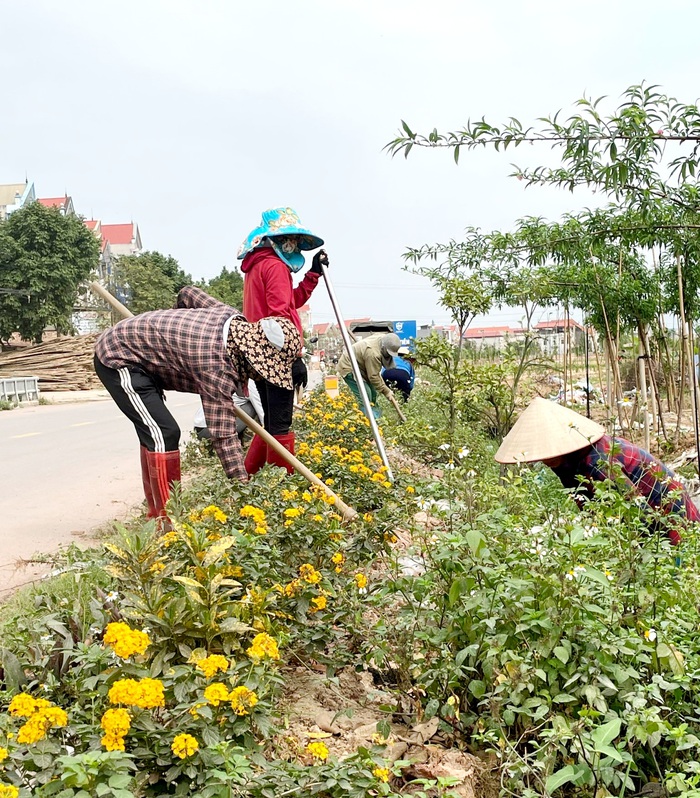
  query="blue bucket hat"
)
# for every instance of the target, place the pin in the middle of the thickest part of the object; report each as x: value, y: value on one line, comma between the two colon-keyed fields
x: 280, y: 223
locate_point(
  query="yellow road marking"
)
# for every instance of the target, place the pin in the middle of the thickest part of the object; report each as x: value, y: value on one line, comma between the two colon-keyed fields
x: 82, y: 424
x: 26, y: 435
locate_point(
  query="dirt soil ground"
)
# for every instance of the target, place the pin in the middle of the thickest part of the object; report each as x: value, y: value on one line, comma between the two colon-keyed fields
x: 344, y: 713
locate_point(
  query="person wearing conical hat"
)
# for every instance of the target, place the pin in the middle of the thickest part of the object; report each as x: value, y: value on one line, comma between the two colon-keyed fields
x: 581, y: 454
x: 271, y: 253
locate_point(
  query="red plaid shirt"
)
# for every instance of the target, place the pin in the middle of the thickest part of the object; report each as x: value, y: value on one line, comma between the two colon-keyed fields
x: 644, y: 474
x: 184, y: 350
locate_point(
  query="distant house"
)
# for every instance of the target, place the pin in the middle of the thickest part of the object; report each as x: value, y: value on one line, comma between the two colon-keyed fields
x: 64, y: 204
x: 14, y: 196
x: 123, y: 239
x: 553, y: 335
x: 492, y: 337
x: 116, y: 240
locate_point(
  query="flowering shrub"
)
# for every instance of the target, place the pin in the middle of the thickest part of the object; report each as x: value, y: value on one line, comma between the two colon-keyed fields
x: 563, y: 642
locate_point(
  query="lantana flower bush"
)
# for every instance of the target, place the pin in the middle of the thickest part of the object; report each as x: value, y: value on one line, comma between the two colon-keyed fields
x: 562, y: 645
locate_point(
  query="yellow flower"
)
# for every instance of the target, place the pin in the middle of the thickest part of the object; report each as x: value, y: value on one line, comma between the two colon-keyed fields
x: 116, y: 721
x: 232, y: 570
x: 293, y: 512
x: 361, y: 581
x: 410, y: 489
x: 216, y: 513
x: 263, y: 646
x: 216, y: 693
x: 184, y: 745
x: 145, y: 693
x: 338, y: 558
x: 309, y: 574
x: 113, y: 742
x: 255, y: 513
x: 212, y: 664
x: 168, y: 539
x: 288, y: 495
x: 40, y: 722
x: 318, y: 518
x: 242, y: 699
x: 382, y: 774
x: 3, y: 754
x: 157, y: 567
x: 260, y: 529
x: 292, y: 588
x: 318, y: 750
x: 319, y: 603
x: 22, y: 705
x: 368, y: 517
x: 8, y: 791
x: 306, y: 496
x: 126, y: 641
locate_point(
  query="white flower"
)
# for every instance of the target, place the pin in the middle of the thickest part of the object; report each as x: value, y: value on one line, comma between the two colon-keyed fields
x: 590, y: 531
x: 450, y: 465
x: 471, y: 473
x: 444, y: 446
x: 112, y: 595
x: 535, y: 530
x: 650, y: 635
x: 463, y: 452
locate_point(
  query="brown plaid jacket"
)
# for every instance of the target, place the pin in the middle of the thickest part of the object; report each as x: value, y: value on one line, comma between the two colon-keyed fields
x: 184, y: 350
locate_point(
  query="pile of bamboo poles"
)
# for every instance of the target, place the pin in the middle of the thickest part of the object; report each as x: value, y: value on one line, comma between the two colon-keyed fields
x: 61, y: 365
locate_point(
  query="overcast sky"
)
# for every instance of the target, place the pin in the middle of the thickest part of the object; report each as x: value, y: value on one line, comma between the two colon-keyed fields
x: 190, y: 118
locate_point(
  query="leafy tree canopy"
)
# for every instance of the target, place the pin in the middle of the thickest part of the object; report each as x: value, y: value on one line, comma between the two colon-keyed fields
x: 150, y: 280
x: 226, y: 287
x: 47, y: 255
x: 645, y: 149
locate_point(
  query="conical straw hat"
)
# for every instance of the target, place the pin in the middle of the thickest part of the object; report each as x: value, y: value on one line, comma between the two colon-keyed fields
x: 544, y: 430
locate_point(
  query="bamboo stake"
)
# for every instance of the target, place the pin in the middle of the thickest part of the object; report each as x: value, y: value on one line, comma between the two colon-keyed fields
x: 641, y: 360
x: 691, y: 364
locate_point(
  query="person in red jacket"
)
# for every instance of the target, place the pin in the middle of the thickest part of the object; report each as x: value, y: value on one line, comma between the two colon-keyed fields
x: 271, y: 253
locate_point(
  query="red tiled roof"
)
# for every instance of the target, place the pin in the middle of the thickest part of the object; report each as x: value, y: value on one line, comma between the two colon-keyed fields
x: 91, y: 224
x: 304, y: 308
x: 348, y: 322
x: 118, y: 233
x: 546, y: 325
x: 489, y: 332
x: 321, y: 329
x: 53, y: 202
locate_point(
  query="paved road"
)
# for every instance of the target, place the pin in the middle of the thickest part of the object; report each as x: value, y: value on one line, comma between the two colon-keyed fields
x: 65, y: 470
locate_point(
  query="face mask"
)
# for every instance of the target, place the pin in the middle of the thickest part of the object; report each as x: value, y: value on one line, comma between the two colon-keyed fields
x: 287, y: 249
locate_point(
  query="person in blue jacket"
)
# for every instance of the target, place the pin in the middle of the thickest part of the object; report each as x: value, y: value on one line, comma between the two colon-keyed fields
x: 402, y: 375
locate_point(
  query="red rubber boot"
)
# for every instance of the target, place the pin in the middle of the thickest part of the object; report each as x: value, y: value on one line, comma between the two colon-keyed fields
x: 164, y: 469
x: 276, y: 459
x: 257, y: 455
x: 146, y: 479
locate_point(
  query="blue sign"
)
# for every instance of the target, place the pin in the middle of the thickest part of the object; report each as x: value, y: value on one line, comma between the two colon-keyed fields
x: 406, y: 330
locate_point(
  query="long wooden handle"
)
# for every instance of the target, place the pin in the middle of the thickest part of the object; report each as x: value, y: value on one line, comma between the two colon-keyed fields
x: 393, y: 401
x: 103, y: 293
x: 347, y: 512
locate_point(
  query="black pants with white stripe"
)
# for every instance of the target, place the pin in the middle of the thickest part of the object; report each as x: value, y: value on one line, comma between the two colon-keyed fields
x: 141, y: 400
